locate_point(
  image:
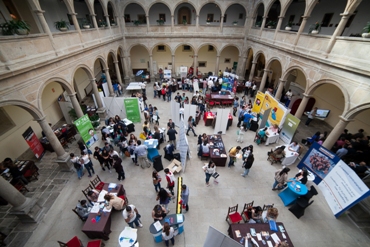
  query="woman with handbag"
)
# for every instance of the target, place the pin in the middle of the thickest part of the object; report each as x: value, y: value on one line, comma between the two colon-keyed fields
x: 164, y: 198
x: 156, y: 181
x: 209, y: 170
x: 281, y: 177
x: 248, y: 164
x: 156, y: 115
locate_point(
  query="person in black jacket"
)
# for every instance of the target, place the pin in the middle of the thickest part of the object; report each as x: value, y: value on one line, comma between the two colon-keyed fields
x: 248, y: 164
x: 171, y: 132
x: 301, y: 176
x: 118, y: 167
x: 14, y: 171
x: 157, y: 135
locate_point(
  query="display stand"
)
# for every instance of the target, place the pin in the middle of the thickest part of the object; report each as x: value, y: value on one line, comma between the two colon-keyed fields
x: 172, y: 221
x: 221, y: 121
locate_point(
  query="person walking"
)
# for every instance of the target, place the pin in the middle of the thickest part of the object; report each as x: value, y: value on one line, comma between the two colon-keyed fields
x: 131, y: 148
x: 141, y: 151
x: 311, y: 116
x: 235, y: 106
x: 281, y: 176
x: 168, y: 234
x: 190, y: 126
x: 232, y: 154
x: 77, y: 165
x: 164, y: 198
x: 118, y: 167
x: 156, y: 115
x: 248, y: 164
x: 209, y: 170
x: 185, y: 196
x: 171, y: 132
x: 132, y: 216
x: 170, y: 180
x: 156, y: 181
x: 85, y: 159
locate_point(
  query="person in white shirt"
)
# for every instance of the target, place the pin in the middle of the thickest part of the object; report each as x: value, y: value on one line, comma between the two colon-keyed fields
x: 254, y: 88
x: 210, y: 84
x: 85, y: 160
x: 288, y: 97
x: 248, y: 86
x: 205, y: 147
x: 168, y: 234
x: 132, y: 216
x: 209, y: 169
x: 294, y: 147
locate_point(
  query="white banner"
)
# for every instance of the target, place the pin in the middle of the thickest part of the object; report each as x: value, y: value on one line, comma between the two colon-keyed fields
x: 167, y: 74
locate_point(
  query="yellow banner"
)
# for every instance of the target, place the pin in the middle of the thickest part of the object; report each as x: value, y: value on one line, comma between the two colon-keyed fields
x: 277, y: 111
x: 258, y: 101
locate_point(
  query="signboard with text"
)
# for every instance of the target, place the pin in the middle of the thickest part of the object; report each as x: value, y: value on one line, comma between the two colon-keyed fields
x: 132, y: 109
x: 34, y: 143
x: 86, y: 130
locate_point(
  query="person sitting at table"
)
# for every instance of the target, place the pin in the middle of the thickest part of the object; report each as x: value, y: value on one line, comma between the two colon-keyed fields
x: 83, y: 209
x: 14, y: 171
x: 263, y: 134
x: 312, y: 139
x: 93, y: 195
x: 272, y: 214
x: 168, y: 234
x: 115, y: 202
x: 205, y: 138
x: 277, y: 155
x: 294, y: 147
x: 301, y: 176
x: 273, y: 129
x: 111, y: 121
x: 281, y: 177
x: 281, y: 244
x: 205, y: 147
x: 256, y: 215
x: 159, y: 213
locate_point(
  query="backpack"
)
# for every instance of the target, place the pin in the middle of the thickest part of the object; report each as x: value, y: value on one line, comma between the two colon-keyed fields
x: 77, y: 166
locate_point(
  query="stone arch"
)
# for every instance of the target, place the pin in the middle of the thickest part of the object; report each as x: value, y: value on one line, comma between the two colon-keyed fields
x: 31, y: 109
x: 219, y: 6
x: 229, y: 4
x: 70, y: 7
x: 104, y: 62
x: 311, y: 89
x: 162, y: 2
x: 257, y: 5
x: 223, y: 48
x: 208, y: 43
x: 113, y: 6
x: 192, y: 47
x: 189, y: 2
x: 131, y: 46
x: 120, y: 47
x: 246, y: 52
x: 267, y: 10
x: 114, y: 55
x: 351, y: 113
x: 87, y: 70
x: 160, y: 43
x: 135, y: 2
x: 256, y: 56
x: 351, y: 6
x: 104, y: 7
x: 310, y: 7
x: 268, y: 63
x: 295, y: 67
x: 65, y: 85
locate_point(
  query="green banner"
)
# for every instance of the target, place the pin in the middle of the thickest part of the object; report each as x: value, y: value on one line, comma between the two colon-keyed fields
x: 132, y: 109
x: 86, y: 130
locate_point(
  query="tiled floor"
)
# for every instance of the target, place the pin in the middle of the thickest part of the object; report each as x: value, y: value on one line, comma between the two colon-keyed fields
x: 208, y: 205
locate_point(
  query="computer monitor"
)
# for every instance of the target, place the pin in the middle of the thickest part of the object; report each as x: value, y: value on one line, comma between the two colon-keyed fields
x: 322, y: 113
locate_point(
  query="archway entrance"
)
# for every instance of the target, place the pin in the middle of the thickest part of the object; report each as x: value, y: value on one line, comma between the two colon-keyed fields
x: 184, y: 14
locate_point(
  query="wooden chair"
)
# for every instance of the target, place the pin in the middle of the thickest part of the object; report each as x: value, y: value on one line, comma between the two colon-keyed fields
x: 246, y: 210
x: 267, y: 206
x: 85, y: 191
x: 233, y: 216
x: 95, y: 243
x: 20, y: 186
x: 204, y: 156
x: 79, y: 216
x: 211, y: 104
x: 32, y: 173
x: 97, y: 183
x: 74, y: 242
x: 217, y: 103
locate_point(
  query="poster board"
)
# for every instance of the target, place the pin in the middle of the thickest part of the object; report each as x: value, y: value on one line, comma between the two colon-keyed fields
x: 278, y: 111
x: 101, y: 95
x: 105, y: 89
x: 222, y: 119
x: 183, y: 71
x: 216, y: 238
x: 189, y: 110
x: 290, y: 126
x: 175, y: 115
x: 132, y: 109
x: 86, y: 130
x: 258, y: 101
x: 167, y: 74
x: 34, y: 143
x: 115, y: 106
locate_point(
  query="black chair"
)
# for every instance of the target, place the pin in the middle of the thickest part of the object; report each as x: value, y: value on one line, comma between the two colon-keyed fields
x: 312, y: 192
x: 157, y: 163
x: 298, y: 210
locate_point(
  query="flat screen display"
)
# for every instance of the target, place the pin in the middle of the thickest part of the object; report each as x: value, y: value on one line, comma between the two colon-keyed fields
x: 322, y: 113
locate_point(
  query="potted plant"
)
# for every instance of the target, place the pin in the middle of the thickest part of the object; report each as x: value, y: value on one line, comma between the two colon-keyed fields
x: 112, y: 23
x: 289, y: 26
x: 86, y: 24
x: 271, y: 24
x: 235, y: 23
x: 102, y: 23
x: 160, y: 22
x: 184, y: 21
x: 208, y: 22
x: 258, y: 24
x: 95, y: 120
x: 315, y: 28
x: 15, y: 27
x: 61, y: 25
x: 366, y: 30
x: 136, y: 23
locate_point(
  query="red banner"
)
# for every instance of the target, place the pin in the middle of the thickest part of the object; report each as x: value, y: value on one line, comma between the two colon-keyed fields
x: 34, y: 143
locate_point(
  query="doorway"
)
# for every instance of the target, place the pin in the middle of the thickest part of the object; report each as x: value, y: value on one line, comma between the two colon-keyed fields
x: 184, y: 14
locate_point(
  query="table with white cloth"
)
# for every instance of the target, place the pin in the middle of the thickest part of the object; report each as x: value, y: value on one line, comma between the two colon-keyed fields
x: 290, y: 157
x: 272, y: 138
x: 134, y: 86
x: 127, y: 237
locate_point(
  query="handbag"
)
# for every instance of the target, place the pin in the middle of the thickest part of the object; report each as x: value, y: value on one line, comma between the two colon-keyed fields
x: 127, y: 153
x: 215, y: 175
x: 142, y: 136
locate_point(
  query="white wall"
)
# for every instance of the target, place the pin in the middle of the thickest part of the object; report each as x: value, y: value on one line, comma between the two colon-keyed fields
x: 54, y: 11
x: 50, y: 104
x: 81, y: 81
x: 157, y: 9
x: 134, y: 10
x: 139, y: 57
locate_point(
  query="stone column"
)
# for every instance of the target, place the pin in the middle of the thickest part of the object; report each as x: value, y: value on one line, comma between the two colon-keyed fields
x: 195, y: 64
x: 278, y: 26
x: 96, y: 93
x: 147, y: 23
x: 336, y: 132
x: 62, y: 156
x: 172, y: 23
x: 197, y: 22
x: 125, y: 70
x: 263, y: 24
x: 118, y: 72
x: 152, y: 77
x: 338, y: 31
x: 280, y: 89
x: 173, y: 66
x: 221, y: 23
x: 45, y: 27
x: 302, y: 106
x: 76, y: 105
x: 263, y: 81
x: 25, y: 208
x: 237, y: 71
x: 77, y: 27
x: 129, y: 66
x: 93, y: 17
x: 300, y: 30
x: 217, y: 65
x: 109, y: 82
x: 251, y: 74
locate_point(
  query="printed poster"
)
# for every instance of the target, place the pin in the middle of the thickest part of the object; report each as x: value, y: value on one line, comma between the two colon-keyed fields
x: 289, y: 128
x: 86, y: 130
x: 34, y: 143
x: 132, y: 109
x: 167, y: 74
x: 278, y: 111
x: 258, y: 101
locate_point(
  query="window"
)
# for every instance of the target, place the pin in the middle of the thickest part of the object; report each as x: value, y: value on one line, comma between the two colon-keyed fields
x: 186, y: 48
x: 241, y: 16
x: 6, y: 122
x: 141, y: 19
x: 211, y: 48
x: 227, y: 60
x: 161, y: 48
x: 202, y: 64
x: 162, y: 17
x: 209, y: 17
x: 127, y: 18
x: 225, y: 18
x: 326, y: 20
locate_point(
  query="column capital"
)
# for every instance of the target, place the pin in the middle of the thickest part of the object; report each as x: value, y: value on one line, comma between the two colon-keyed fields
x: 282, y: 81
x: 43, y: 118
x: 147, y: 16
x: 106, y: 16
x: 254, y: 62
x: 72, y: 94
x: 172, y: 55
x: 345, y: 15
x: 115, y: 62
x: 306, y: 95
x: 266, y: 70
x: 344, y: 119
x: 39, y: 11
x: 172, y: 16
x: 106, y: 70
x: 93, y: 15
x: 150, y: 55
x: 265, y: 17
x: 195, y: 55
x: 197, y: 16
x: 218, y: 56
x: 281, y: 17
x: 72, y: 13
x: 305, y: 17
x: 93, y: 80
